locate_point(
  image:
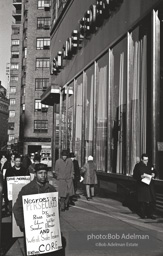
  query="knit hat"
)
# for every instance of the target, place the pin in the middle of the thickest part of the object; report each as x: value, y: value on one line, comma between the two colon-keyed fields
x: 40, y: 166
x: 90, y: 158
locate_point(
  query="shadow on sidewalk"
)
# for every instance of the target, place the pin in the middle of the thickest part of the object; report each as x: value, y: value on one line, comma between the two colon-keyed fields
x: 6, y: 238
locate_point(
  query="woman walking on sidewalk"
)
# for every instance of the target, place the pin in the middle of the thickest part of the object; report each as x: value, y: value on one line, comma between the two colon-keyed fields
x: 90, y: 177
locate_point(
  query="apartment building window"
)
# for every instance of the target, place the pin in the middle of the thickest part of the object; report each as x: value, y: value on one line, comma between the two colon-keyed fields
x: 11, y: 137
x: 13, y: 89
x: 14, y: 54
x: 25, y: 52
x: 13, y: 78
x: 23, y: 107
x: 43, y: 43
x: 15, y: 42
x: 11, y: 113
x: 43, y: 23
x: 14, y: 66
x: 37, y: 105
x: 15, y: 31
x: 41, y: 83
x: 12, y: 101
x: 40, y: 107
x: 42, y: 3
x: 43, y: 63
x: 11, y: 126
x: 41, y: 126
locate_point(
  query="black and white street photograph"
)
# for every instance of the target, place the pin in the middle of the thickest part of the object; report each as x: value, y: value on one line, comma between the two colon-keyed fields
x: 81, y: 127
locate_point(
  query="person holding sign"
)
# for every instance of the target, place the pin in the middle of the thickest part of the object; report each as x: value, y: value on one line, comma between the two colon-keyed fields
x: 38, y: 185
x: 35, y: 204
x: 14, y: 171
x: 144, y: 174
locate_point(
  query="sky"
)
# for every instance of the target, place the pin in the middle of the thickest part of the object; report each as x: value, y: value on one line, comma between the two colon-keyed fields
x: 5, y: 37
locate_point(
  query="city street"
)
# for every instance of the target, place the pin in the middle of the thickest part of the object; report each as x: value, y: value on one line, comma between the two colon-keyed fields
x: 103, y: 226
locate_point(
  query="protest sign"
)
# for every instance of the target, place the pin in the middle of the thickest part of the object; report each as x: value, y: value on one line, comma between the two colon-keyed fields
x: 15, y: 180
x: 16, y: 187
x: 42, y: 226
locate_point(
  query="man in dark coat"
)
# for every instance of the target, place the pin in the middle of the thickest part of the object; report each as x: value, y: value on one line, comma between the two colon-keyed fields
x: 64, y: 171
x: 36, y: 186
x: 17, y: 169
x: 76, y: 171
x: 145, y: 192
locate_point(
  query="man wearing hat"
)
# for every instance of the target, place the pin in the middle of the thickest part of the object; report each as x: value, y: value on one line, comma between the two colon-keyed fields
x: 38, y: 185
x: 64, y: 170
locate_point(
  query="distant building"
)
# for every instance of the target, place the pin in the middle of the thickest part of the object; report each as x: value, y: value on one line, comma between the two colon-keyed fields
x: 4, y: 103
x: 30, y: 122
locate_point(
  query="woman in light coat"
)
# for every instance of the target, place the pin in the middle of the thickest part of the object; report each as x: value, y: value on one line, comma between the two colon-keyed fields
x: 90, y: 177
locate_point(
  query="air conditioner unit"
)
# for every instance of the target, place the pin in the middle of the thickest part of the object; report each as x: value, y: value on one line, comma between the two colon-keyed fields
x: 46, y: 27
x: 47, y: 6
x: 46, y: 47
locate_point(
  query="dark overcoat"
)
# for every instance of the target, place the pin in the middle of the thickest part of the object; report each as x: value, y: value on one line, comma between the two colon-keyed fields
x: 64, y: 171
x: 90, y: 177
x: 29, y: 189
x: 145, y: 193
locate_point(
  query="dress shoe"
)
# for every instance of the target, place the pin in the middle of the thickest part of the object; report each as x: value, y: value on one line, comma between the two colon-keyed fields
x: 88, y: 198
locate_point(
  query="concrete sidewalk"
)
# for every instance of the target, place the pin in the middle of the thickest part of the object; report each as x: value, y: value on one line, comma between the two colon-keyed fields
x: 83, y: 223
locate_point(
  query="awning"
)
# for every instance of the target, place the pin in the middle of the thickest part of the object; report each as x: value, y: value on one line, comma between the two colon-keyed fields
x: 51, y: 96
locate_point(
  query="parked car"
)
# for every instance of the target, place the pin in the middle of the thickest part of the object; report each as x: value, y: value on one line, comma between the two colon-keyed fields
x: 47, y: 160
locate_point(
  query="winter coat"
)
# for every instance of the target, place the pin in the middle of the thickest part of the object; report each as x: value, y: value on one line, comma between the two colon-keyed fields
x: 90, y: 176
x: 29, y: 189
x: 65, y: 173
x: 145, y: 193
x: 16, y: 172
x: 76, y: 170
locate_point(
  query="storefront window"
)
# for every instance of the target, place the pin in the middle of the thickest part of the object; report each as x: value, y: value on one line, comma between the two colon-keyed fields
x: 139, y: 97
x: 70, y: 117
x: 63, y: 122
x: 101, y: 125
x: 78, y: 118
x: 89, y: 111
x: 118, y: 106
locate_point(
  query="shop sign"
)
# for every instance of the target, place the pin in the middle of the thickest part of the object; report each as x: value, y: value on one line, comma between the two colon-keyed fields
x: 89, y: 24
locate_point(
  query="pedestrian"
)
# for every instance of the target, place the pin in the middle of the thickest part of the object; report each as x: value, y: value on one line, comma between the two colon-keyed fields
x: 38, y: 185
x: 76, y: 171
x: 3, y: 161
x: 16, y: 170
x: 64, y: 171
x: 144, y: 173
x: 26, y: 162
x: 90, y: 177
x: 7, y: 165
x: 31, y: 169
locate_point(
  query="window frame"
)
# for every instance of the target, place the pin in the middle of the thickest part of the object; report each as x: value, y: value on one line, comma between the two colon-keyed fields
x: 40, y: 123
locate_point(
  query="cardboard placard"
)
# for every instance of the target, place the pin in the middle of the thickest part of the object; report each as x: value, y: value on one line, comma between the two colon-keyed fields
x: 42, y: 226
x: 15, y: 191
x: 15, y: 180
